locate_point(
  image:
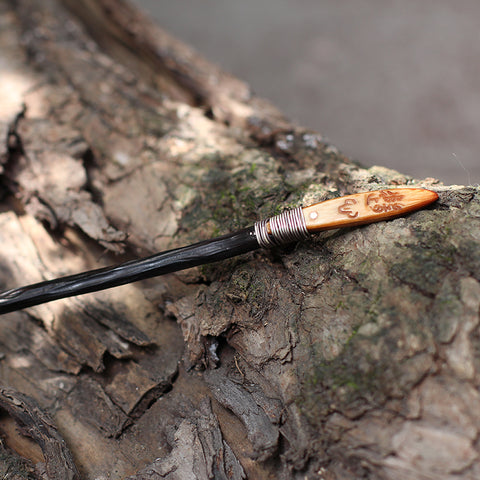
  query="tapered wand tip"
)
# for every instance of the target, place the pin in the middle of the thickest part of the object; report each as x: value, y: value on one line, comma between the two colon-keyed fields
x: 366, y: 207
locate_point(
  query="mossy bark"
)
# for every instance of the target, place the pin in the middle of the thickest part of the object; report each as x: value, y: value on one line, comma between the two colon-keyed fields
x: 352, y: 355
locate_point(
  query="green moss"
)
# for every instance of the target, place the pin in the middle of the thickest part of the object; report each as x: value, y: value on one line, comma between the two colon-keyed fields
x: 372, y: 365
x: 340, y: 305
x: 340, y: 384
x: 363, y: 376
x: 229, y: 198
x: 239, y: 287
x: 443, y: 243
x: 252, y: 169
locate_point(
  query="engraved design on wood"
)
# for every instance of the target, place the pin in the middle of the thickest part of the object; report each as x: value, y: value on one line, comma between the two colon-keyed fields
x: 384, y: 201
x: 346, y: 209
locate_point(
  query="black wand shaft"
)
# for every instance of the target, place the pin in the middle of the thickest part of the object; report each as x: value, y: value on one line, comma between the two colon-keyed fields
x: 170, y: 261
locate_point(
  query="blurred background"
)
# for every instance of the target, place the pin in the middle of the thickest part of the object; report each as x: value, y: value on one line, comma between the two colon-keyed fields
x: 392, y: 83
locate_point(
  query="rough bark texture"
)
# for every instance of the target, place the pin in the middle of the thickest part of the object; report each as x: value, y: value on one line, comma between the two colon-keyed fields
x: 354, y: 355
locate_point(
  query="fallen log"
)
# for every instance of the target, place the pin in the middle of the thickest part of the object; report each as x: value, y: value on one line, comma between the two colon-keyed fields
x: 351, y: 355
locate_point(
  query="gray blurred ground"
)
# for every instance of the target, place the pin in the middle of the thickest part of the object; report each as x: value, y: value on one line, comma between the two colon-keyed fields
x: 390, y: 82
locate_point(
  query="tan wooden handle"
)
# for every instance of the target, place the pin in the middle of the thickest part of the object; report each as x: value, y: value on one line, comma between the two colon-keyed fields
x: 367, y: 207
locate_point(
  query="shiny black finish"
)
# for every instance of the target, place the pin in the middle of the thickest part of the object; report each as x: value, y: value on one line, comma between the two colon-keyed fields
x: 166, y: 262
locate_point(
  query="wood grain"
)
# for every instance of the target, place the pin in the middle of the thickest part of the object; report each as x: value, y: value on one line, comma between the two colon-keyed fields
x: 367, y: 207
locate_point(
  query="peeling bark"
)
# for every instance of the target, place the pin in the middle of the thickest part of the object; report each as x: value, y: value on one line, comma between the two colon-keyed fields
x: 39, y: 426
x: 353, y: 354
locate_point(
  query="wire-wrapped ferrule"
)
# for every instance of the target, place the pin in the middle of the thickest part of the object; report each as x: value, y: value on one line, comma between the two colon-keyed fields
x: 289, y: 226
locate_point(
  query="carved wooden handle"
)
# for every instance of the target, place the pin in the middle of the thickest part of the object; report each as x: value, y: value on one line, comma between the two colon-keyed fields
x: 366, y: 207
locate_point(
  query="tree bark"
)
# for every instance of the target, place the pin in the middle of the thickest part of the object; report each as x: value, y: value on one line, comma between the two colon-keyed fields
x: 353, y: 355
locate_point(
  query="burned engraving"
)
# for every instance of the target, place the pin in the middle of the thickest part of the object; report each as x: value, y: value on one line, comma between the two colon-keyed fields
x: 384, y: 201
x: 346, y: 208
